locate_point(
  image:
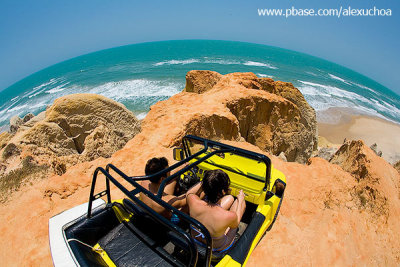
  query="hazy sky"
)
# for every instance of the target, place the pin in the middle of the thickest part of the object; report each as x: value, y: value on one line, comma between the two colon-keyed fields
x: 36, y: 34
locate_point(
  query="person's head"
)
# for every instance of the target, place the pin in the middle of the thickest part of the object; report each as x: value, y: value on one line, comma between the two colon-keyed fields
x: 215, y: 185
x: 155, y: 165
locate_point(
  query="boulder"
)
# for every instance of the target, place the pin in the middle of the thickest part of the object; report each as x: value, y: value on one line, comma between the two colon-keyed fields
x: 282, y: 157
x: 397, y: 166
x: 200, y: 81
x: 279, y: 121
x: 326, y: 152
x: 374, y: 148
x: 377, y: 181
x: 10, y: 150
x: 4, y: 138
x: 15, y: 122
x: 79, y: 123
x: 76, y: 128
x: 27, y: 117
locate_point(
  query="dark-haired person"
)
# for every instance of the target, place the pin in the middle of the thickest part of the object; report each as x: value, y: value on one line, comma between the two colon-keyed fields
x: 217, y: 211
x: 153, y: 166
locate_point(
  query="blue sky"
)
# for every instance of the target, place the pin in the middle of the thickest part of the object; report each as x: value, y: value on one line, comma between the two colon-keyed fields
x: 36, y: 34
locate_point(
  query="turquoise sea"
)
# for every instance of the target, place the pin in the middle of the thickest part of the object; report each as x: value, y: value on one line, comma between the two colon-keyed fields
x: 139, y: 75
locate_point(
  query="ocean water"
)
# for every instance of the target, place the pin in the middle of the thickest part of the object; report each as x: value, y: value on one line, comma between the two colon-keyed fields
x: 140, y: 75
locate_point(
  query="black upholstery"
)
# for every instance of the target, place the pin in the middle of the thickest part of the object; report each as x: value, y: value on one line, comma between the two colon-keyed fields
x: 90, y: 231
x: 126, y: 246
x: 240, y: 250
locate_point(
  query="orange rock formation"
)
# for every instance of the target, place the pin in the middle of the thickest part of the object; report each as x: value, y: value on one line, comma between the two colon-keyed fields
x: 343, y: 212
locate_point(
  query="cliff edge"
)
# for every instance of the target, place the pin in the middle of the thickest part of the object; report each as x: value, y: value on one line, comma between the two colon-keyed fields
x: 343, y: 212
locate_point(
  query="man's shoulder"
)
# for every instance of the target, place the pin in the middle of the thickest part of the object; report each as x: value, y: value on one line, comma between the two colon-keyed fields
x: 193, y: 197
x: 227, y: 215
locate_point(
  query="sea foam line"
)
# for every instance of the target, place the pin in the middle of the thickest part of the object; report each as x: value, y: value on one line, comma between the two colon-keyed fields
x: 43, y: 85
x: 322, y: 97
x: 176, y: 62
x: 259, y: 64
x: 329, y: 91
x: 339, y: 79
x: 129, y: 89
x: 57, y: 89
x: 221, y: 61
x: 365, y: 87
x: 17, y: 108
x: 261, y: 75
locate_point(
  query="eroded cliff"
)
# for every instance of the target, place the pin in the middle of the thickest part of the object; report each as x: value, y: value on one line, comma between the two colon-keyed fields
x: 344, y: 212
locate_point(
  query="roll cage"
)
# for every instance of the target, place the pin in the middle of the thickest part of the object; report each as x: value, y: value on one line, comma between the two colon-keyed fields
x: 133, y: 180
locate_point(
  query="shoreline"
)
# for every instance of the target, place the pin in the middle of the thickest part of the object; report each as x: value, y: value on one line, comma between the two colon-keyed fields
x: 370, y: 129
x: 339, y: 123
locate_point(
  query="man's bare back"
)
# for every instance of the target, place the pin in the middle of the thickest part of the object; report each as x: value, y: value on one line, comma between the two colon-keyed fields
x: 220, y: 218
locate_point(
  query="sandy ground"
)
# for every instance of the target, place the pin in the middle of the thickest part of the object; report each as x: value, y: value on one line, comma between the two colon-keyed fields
x: 369, y: 129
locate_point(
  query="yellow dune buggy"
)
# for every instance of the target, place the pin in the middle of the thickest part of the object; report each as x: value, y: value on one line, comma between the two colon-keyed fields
x: 127, y: 232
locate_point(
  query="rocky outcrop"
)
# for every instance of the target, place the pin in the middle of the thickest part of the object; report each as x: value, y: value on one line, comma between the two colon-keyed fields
x: 76, y: 128
x: 342, y: 214
x: 84, y: 124
x: 377, y: 180
x: 281, y: 121
x: 15, y: 122
x: 397, y: 166
x: 4, y: 138
x: 374, y: 148
x: 200, y: 81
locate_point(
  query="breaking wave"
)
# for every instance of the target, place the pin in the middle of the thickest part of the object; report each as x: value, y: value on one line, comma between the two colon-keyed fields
x: 220, y: 61
x: 323, y: 97
x: 176, y: 62
x: 339, y: 79
x: 259, y: 64
x: 261, y: 75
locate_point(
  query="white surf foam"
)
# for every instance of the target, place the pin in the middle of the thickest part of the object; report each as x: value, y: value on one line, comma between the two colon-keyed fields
x: 42, y: 87
x: 17, y: 108
x: 221, y: 61
x: 57, y: 89
x: 259, y: 64
x: 129, y: 89
x: 262, y: 75
x: 335, y: 91
x: 324, y: 96
x: 177, y: 62
x: 386, y: 108
x: 339, y: 79
x: 364, y: 87
x: 38, y: 105
x: 311, y: 73
x: 311, y: 91
x: 141, y: 115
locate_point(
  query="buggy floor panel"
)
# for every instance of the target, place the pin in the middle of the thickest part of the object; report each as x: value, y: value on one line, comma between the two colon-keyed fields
x: 128, y: 247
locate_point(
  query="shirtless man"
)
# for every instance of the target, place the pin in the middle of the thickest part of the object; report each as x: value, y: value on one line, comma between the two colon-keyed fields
x: 217, y: 211
x: 155, y: 165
